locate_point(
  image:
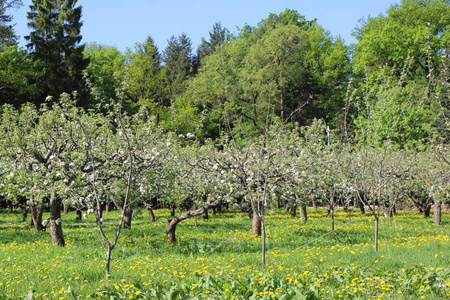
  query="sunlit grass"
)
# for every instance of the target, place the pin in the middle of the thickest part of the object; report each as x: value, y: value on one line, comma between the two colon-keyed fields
x: 219, y: 258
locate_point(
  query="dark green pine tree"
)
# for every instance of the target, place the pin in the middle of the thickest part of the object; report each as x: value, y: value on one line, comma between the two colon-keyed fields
x: 216, y: 38
x: 55, y: 46
x: 179, y: 62
x: 7, y: 34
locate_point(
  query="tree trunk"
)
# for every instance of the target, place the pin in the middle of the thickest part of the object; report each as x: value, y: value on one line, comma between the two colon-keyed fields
x: 171, y: 227
x: 172, y: 223
x: 437, y: 212
x: 205, y: 215
x: 377, y: 219
x: 256, y: 223
x: 172, y: 210
x: 36, y: 218
x: 331, y: 212
x: 426, y: 211
x: 24, y: 213
x: 151, y: 214
x: 55, y: 221
x: 66, y: 208
x: 127, y: 214
x: 303, y: 214
x: 361, y: 206
x: 108, y: 207
x: 294, y: 210
x: 79, y: 214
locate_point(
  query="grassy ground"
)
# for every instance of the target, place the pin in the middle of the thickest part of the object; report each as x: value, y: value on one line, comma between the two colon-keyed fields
x: 219, y: 259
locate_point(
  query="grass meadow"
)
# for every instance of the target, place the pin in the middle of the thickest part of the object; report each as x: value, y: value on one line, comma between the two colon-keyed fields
x: 219, y: 259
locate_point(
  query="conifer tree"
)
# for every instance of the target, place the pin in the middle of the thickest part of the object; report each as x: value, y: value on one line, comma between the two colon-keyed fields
x: 216, y: 37
x: 55, y: 46
x: 7, y: 34
x: 178, y: 60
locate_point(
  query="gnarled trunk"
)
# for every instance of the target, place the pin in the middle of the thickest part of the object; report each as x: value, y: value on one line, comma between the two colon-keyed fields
x: 55, y: 221
x: 172, y: 223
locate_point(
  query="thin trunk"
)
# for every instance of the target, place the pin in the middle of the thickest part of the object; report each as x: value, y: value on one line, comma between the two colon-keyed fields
x: 66, y: 208
x: 332, y: 218
x: 108, y: 207
x: 263, y: 250
x: 55, y: 221
x: 377, y: 219
x: 108, y: 260
x: 172, y: 210
x: 281, y: 97
x: 303, y: 214
x: 79, y: 214
x: 36, y: 218
x: 437, y: 212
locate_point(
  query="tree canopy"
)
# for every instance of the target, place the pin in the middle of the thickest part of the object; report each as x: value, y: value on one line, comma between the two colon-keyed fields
x: 55, y: 46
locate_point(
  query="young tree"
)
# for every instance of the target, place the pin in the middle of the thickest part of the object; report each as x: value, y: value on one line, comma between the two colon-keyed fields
x: 55, y: 46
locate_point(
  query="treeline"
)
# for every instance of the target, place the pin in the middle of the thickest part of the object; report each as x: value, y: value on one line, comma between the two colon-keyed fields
x: 285, y: 67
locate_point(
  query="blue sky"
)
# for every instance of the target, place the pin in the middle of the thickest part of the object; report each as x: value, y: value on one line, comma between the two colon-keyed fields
x: 123, y: 23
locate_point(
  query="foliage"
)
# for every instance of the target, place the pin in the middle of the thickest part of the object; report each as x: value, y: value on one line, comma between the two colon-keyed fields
x: 417, y: 30
x: 55, y: 47
x: 17, y: 76
x: 106, y: 71
x: 7, y: 34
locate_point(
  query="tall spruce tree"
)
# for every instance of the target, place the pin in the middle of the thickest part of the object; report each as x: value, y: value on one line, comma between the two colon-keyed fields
x: 55, y: 46
x: 7, y: 34
x: 179, y: 62
x: 217, y: 36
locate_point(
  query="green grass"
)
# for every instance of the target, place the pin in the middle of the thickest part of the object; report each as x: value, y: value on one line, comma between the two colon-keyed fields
x: 219, y: 259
